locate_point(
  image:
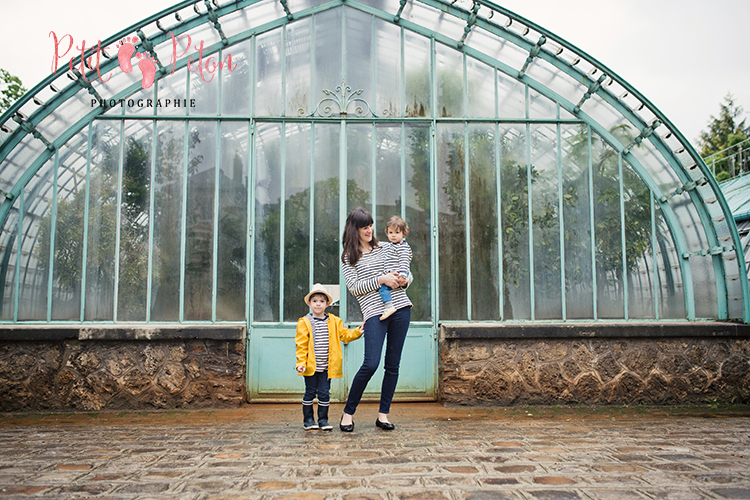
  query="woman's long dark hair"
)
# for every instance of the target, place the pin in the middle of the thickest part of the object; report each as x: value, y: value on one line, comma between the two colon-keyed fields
x: 358, y: 218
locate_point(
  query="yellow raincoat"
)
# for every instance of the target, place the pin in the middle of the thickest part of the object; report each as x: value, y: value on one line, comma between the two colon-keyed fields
x: 336, y: 334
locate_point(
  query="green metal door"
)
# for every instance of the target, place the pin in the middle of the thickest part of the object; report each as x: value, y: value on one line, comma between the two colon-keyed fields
x: 307, y: 175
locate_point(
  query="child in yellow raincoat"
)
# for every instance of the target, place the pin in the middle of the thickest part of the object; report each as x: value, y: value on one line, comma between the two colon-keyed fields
x: 319, y: 355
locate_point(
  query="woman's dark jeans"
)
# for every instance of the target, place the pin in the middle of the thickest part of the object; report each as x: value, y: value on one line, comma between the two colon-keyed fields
x: 392, y: 332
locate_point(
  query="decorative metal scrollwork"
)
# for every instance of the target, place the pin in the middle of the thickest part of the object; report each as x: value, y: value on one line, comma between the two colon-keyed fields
x: 342, y: 97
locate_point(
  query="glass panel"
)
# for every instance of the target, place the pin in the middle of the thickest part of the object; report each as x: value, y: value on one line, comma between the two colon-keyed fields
x: 511, y: 97
x: 232, y: 256
x: 15, y: 164
x: 359, y: 186
x: 167, y: 238
x: 298, y: 69
x: 66, y: 114
x: 134, y: 224
x: 417, y: 202
x: 297, y: 221
x: 515, y: 223
x: 328, y: 42
x: 388, y: 68
x: 557, y: 81
x: 388, y: 180
x: 199, y: 224
x: 483, y: 228
x: 690, y: 222
x: 608, y: 230
x: 138, y: 102
x: 327, y: 237
x: 546, y: 222
x: 34, y: 272
x: 235, y: 90
x: 540, y: 106
x: 100, y: 265
x: 9, y: 255
x: 174, y: 89
x: 450, y: 82
x: 640, y: 261
x: 672, y: 294
x: 451, y: 171
x: 655, y: 164
x: 481, y: 91
x: 359, y: 54
x: 733, y: 277
x: 704, y: 288
x: 387, y: 187
x: 359, y: 170
x: 68, y: 233
x: 417, y: 67
x: 268, y: 74
x: 267, y: 217
x: 204, y: 91
x: 579, y: 277
x: 434, y: 20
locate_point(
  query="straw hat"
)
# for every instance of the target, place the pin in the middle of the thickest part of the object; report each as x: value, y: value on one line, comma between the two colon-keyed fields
x: 318, y: 288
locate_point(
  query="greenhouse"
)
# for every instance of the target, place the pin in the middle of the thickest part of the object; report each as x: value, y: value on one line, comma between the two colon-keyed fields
x: 195, y: 170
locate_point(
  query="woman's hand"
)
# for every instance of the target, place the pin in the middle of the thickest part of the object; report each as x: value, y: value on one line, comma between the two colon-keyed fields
x: 300, y: 368
x: 402, y: 281
x: 390, y: 280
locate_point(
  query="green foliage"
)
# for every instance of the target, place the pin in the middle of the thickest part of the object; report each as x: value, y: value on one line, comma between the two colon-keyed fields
x: 544, y: 218
x: 11, y: 89
x: 134, y: 232
x: 297, y: 237
x: 724, y: 134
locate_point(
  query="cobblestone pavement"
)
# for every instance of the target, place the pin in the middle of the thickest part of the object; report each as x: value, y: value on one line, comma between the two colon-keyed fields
x: 436, y: 452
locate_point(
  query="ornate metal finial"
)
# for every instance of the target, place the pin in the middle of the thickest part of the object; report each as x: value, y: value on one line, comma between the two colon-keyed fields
x: 342, y: 97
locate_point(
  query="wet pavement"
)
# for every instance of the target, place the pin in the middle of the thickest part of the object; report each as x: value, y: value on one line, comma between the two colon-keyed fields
x: 436, y: 452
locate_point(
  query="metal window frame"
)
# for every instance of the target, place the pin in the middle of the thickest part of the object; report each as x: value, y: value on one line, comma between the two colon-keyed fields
x: 648, y: 131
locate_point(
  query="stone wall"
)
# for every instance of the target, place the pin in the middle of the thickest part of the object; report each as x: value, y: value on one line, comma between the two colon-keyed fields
x: 118, y: 368
x: 594, y: 364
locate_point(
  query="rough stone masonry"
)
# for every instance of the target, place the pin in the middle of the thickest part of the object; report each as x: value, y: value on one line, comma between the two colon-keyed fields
x: 504, y: 368
x: 122, y: 373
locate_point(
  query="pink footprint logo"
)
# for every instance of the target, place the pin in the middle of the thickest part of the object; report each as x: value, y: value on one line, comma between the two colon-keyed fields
x: 125, y: 50
x: 148, y: 69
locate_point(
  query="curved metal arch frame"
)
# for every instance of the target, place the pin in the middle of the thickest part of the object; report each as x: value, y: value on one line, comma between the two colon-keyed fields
x: 472, y: 19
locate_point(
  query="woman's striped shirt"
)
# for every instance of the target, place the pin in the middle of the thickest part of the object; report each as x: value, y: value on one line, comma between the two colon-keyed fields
x: 362, y: 280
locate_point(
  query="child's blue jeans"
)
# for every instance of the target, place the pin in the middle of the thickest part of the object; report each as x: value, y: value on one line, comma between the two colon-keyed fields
x: 385, y: 294
x: 317, y: 383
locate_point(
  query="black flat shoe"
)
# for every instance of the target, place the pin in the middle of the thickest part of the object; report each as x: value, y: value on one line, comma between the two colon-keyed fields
x: 386, y: 426
x: 346, y: 428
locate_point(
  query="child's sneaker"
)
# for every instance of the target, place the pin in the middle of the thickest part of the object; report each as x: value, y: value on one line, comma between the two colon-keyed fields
x: 387, y: 312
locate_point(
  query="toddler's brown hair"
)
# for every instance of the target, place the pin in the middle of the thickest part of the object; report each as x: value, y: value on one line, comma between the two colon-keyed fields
x: 398, y: 223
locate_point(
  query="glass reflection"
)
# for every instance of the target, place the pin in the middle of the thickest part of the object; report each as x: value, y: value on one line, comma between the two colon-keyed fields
x: 103, y: 179
x: 134, y: 224
x: 452, y: 221
x: 514, y: 211
x: 232, y: 244
x: 167, y: 237
x: 35, y: 260
x: 546, y: 222
x: 267, y: 191
x: 296, y: 221
x: 199, y: 222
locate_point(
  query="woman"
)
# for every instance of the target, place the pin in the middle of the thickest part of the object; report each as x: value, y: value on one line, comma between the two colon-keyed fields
x: 365, y: 263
